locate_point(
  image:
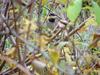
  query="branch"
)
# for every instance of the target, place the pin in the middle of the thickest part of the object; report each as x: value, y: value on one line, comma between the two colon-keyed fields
x: 9, y: 60
x: 78, y: 28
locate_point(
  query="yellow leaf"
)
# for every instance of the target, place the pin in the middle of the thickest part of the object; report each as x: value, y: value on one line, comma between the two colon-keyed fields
x: 11, y: 52
x: 26, y: 23
x: 67, y: 55
x: 88, y: 58
x: 42, y: 41
x: 55, y: 71
x: 86, y: 71
x: 44, y: 2
x: 67, y: 50
x: 13, y: 10
x: 11, y: 65
x: 91, y: 22
x: 63, y: 1
x: 87, y: 24
x: 54, y: 55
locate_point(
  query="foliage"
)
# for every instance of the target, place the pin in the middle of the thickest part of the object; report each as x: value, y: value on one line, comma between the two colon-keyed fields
x: 74, y: 9
x: 49, y: 37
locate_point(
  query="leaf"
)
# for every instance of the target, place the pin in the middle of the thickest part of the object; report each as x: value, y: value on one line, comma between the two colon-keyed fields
x: 96, y: 9
x: 43, y: 41
x: 11, y: 65
x: 25, y: 25
x: 67, y: 50
x: 55, y: 71
x: 44, y: 12
x: 88, y: 58
x: 54, y: 55
x: 11, y: 52
x: 89, y: 25
x: 63, y: 1
x: 11, y: 10
x: 44, y: 2
x: 74, y: 9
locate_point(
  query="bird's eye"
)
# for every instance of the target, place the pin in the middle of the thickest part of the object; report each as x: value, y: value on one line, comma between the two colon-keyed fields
x: 52, y: 20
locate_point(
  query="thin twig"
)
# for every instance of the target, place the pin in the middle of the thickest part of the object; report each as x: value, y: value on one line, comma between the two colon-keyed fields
x: 8, y: 60
x: 78, y: 28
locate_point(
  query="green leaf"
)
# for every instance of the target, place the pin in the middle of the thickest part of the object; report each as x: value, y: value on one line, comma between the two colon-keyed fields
x: 96, y: 9
x: 74, y: 9
x: 44, y: 12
